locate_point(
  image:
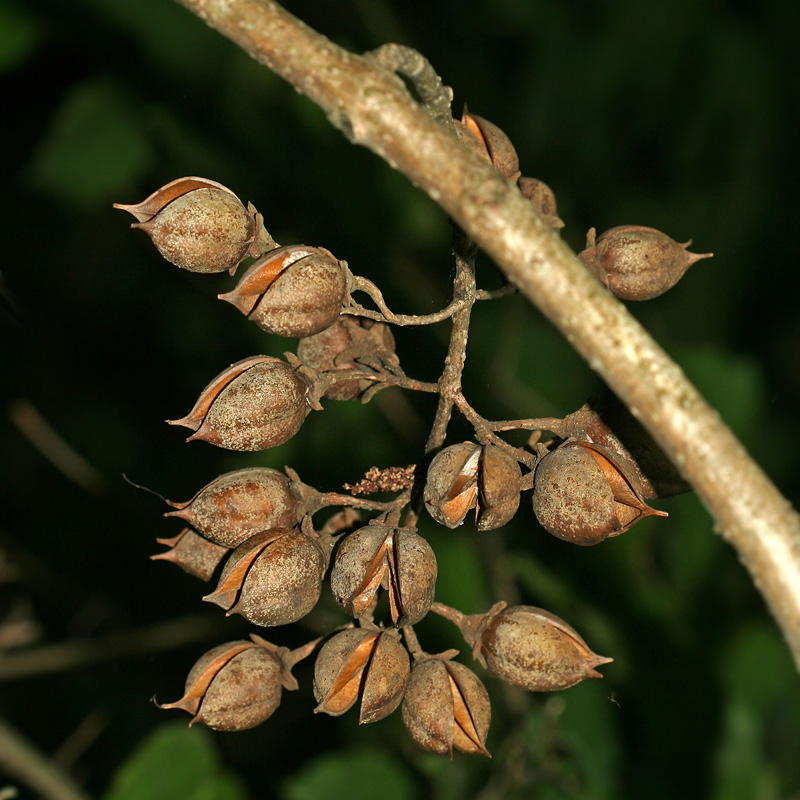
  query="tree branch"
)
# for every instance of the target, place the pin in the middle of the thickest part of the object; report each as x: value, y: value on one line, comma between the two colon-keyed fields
x: 372, y: 107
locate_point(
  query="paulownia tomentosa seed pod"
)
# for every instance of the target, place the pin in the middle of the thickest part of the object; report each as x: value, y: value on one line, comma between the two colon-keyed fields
x: 372, y: 664
x: 197, y: 224
x: 397, y: 559
x: 637, y: 263
x: 273, y: 578
x: 255, y: 404
x: 291, y: 291
x: 446, y: 706
x: 585, y: 494
x: 466, y: 476
x: 239, y: 504
x: 193, y: 553
x: 237, y: 685
x: 526, y: 646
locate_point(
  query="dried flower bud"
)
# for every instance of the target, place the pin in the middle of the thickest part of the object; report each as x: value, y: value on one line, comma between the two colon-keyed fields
x: 446, y: 706
x: 502, y: 153
x: 637, y: 263
x: 192, y: 553
x: 527, y: 647
x: 541, y: 197
x: 345, y: 345
x: 273, y: 578
x: 256, y: 403
x: 398, y: 559
x: 237, y: 685
x: 465, y: 476
x: 356, y: 661
x: 291, y: 291
x: 196, y: 224
x: 584, y: 494
x: 239, y: 504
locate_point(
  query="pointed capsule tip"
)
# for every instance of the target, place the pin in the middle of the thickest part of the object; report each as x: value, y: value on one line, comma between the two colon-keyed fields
x: 693, y: 258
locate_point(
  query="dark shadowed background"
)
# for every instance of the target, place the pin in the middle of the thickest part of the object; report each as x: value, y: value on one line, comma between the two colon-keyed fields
x: 676, y: 115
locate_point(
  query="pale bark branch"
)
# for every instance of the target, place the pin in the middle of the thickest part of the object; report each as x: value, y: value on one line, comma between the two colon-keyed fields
x: 373, y: 108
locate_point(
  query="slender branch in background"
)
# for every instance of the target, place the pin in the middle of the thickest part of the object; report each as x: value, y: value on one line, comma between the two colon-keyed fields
x: 372, y: 107
x: 49, y: 658
x: 35, y: 428
x: 21, y: 760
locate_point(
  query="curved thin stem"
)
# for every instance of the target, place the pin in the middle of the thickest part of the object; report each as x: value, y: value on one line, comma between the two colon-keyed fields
x: 385, y: 315
x: 485, y: 433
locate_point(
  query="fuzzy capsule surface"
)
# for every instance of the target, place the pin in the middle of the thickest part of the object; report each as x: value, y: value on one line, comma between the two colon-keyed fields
x: 535, y: 650
x: 205, y: 230
x: 239, y: 504
x: 263, y: 406
x: 446, y: 706
x: 273, y: 578
x: 233, y: 687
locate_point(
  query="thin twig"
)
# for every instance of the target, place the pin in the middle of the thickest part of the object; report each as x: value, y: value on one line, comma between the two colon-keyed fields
x: 372, y: 108
x: 385, y: 315
x: 50, y: 658
x: 464, y: 289
x: 21, y: 760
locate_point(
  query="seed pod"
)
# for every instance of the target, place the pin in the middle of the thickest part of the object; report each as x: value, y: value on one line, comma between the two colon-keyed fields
x: 637, y: 263
x: 192, y: 553
x: 237, y: 685
x: 396, y: 558
x: 502, y: 153
x: 617, y: 430
x: 446, y: 706
x: 291, y: 291
x: 356, y: 661
x: 196, y: 224
x: 238, y: 504
x: 584, y: 494
x: 541, y: 197
x: 273, y: 578
x: 472, y: 141
x: 465, y: 476
x: 337, y: 348
x: 527, y: 647
x: 255, y: 404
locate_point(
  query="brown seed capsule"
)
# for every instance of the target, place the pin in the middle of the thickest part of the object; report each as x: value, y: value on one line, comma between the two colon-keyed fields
x: 194, y: 554
x: 466, y: 476
x: 585, y: 494
x: 291, y: 291
x: 256, y: 403
x: 196, y: 224
x: 527, y: 647
x: 237, y: 685
x: 398, y: 559
x: 637, y: 263
x: 345, y: 345
x: 472, y: 141
x: 541, y: 197
x: 502, y: 153
x: 373, y: 664
x: 273, y: 578
x: 238, y: 504
x: 616, y: 429
x: 446, y: 706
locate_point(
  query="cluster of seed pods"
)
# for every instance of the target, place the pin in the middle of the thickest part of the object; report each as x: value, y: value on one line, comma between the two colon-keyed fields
x: 252, y: 530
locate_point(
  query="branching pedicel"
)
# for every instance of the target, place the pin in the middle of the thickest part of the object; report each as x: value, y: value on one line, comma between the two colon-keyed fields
x: 590, y: 479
